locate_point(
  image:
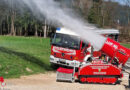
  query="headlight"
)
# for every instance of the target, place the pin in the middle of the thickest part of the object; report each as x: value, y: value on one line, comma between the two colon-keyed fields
x: 51, y: 58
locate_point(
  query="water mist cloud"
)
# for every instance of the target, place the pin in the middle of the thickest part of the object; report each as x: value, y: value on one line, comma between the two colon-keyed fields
x: 53, y: 12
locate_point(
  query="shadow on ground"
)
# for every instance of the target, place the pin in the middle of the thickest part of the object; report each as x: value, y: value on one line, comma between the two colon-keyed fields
x: 128, y: 87
x: 26, y: 57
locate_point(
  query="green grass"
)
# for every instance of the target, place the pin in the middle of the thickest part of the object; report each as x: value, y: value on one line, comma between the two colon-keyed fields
x: 126, y: 45
x: 17, y: 54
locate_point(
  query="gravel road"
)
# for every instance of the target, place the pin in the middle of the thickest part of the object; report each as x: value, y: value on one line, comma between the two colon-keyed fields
x: 48, y: 82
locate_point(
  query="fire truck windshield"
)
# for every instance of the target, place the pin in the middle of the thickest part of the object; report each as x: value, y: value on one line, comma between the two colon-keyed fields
x: 66, y: 41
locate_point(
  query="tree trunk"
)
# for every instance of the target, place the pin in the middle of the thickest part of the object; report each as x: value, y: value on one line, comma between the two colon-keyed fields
x: 1, y: 29
x: 8, y: 28
x: 15, y: 29
x: 20, y: 31
x: 45, y: 29
x: 36, y: 34
x: 4, y: 27
x: 128, y: 18
x: 40, y: 34
x: 48, y: 30
x: 8, y: 24
x: 26, y: 31
x: 12, y: 24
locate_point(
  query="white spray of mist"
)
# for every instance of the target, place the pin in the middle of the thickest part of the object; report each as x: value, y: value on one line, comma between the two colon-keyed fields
x: 52, y: 11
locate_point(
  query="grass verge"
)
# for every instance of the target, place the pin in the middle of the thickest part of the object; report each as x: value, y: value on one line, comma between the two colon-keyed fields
x: 23, y: 56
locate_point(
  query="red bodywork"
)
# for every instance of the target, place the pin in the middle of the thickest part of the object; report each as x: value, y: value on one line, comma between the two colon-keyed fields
x: 99, y: 80
x: 69, y: 54
x: 99, y: 71
x: 96, y: 72
x: 114, y: 50
x: 68, y: 71
x: 72, y: 54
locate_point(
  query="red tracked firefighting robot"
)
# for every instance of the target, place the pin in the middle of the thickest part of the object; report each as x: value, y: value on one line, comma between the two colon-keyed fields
x: 98, y: 70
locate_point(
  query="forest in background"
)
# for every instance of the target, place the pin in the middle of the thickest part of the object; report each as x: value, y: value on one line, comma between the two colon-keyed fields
x: 102, y: 13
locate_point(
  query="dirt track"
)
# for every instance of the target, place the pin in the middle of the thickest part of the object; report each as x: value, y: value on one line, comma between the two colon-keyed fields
x: 48, y: 82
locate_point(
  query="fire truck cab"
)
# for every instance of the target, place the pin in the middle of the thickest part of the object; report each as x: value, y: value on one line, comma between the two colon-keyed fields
x: 68, y: 49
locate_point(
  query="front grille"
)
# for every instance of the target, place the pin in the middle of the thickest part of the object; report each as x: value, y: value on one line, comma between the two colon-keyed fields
x: 64, y: 76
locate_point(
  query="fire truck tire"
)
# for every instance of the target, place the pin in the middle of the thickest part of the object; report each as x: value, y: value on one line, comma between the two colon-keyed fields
x: 57, y: 80
x: 80, y: 80
x: 54, y: 66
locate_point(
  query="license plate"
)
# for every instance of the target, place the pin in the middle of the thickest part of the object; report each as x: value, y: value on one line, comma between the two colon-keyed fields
x: 62, y: 60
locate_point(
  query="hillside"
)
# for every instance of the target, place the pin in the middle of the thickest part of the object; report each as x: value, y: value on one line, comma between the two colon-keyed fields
x: 23, y: 56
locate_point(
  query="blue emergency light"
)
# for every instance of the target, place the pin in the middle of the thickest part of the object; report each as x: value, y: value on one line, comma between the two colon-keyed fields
x: 58, y: 29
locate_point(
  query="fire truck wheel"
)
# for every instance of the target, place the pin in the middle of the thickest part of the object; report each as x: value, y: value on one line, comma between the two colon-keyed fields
x: 80, y: 80
x: 116, y: 82
x: 57, y: 80
x: 54, y: 66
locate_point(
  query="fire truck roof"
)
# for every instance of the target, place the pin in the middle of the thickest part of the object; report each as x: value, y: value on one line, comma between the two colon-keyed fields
x: 65, y: 31
x: 108, y: 31
x: 100, y: 31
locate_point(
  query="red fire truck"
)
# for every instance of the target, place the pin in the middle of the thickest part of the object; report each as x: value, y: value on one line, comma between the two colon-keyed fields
x: 68, y: 49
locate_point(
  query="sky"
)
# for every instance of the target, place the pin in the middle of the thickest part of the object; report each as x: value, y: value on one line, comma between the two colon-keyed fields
x: 123, y: 2
x: 120, y: 1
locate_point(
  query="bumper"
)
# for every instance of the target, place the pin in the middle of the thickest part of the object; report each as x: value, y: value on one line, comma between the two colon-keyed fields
x: 64, y: 62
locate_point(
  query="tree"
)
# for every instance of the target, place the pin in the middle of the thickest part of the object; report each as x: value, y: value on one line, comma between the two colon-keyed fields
x: 128, y: 10
x: 13, y: 14
x: 45, y: 29
x: 95, y: 14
